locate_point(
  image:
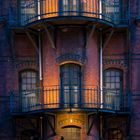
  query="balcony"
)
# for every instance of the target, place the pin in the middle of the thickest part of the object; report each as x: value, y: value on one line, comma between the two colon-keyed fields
x: 60, y: 98
x: 105, y: 11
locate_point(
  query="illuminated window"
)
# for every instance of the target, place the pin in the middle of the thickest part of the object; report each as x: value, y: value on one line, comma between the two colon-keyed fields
x: 70, y: 83
x: 28, y: 86
x: 113, y: 84
x: 71, y: 133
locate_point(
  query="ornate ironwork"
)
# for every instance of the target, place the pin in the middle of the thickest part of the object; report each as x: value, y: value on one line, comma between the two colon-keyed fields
x: 90, y: 99
x: 110, y: 11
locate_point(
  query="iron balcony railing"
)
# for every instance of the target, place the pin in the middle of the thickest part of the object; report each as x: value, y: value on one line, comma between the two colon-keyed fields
x: 69, y: 97
x: 113, y: 11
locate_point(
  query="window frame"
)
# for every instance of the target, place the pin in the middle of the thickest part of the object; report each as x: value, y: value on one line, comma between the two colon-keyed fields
x: 28, y: 98
x: 111, y: 76
x: 112, y: 95
x: 68, y: 88
x: 24, y: 71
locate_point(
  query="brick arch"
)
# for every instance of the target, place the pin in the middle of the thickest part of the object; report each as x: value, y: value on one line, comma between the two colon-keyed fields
x: 27, y: 66
x: 74, y: 58
x: 118, y: 64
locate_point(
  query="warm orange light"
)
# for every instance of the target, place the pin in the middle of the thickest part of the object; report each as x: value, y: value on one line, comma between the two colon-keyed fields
x: 50, y: 8
x: 90, y: 6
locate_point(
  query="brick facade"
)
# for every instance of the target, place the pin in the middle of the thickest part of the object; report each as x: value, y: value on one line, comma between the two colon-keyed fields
x: 75, y: 42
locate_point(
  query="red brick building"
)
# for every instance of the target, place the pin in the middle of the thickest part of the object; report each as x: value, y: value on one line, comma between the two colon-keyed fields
x: 69, y: 69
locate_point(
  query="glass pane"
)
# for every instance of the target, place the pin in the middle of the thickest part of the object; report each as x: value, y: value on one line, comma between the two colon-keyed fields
x: 29, y: 74
x: 112, y: 73
x: 112, y: 79
x: 107, y: 85
x: 107, y: 73
x: 117, y: 85
x: 24, y: 81
x: 34, y: 81
x: 117, y: 73
x: 107, y: 79
x: 23, y: 87
x: 117, y: 79
x: 29, y: 81
x: 33, y: 74
x: 112, y: 85
x: 29, y: 87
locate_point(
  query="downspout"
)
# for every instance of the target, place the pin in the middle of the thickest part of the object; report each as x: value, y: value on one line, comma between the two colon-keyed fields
x: 101, y: 70
x: 38, y: 9
x: 40, y: 57
x: 40, y: 79
x: 100, y: 9
x: 101, y: 85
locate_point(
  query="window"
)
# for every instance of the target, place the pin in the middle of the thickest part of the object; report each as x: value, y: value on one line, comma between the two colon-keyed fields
x: 111, y: 10
x: 28, y: 88
x: 28, y: 10
x: 113, y: 86
x: 70, y: 84
x: 70, y: 7
x: 114, y: 134
x: 71, y: 133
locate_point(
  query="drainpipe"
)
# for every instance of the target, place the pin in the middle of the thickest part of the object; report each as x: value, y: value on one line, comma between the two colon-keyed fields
x: 101, y: 84
x: 100, y: 9
x: 38, y: 10
x: 101, y: 70
x: 40, y: 79
x: 40, y: 69
x: 40, y: 55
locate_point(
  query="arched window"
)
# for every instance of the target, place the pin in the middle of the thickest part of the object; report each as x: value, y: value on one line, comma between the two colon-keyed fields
x: 113, y: 86
x: 28, y: 80
x: 70, y: 75
x: 28, y: 89
x: 113, y: 79
x: 71, y: 133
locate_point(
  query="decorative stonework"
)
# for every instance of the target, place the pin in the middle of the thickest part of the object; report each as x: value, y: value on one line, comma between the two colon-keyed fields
x: 116, y: 63
x: 26, y: 64
x: 71, y: 57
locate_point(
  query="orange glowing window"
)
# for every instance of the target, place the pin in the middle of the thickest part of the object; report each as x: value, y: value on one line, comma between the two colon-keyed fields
x: 49, y: 8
